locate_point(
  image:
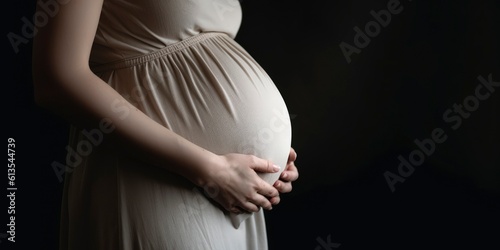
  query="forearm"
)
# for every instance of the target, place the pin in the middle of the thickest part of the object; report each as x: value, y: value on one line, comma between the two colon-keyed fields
x: 85, y: 100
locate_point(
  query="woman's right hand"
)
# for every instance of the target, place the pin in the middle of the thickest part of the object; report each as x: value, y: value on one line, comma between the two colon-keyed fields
x: 235, y: 185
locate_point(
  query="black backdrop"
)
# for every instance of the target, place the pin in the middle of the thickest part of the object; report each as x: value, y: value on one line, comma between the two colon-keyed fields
x: 352, y: 125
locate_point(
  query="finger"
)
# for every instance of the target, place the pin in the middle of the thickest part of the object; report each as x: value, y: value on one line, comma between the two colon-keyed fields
x: 292, y: 156
x: 290, y: 174
x: 266, y: 189
x: 236, y: 210
x: 275, y: 200
x: 264, y: 166
x: 249, y: 207
x: 283, y: 187
x: 261, y: 201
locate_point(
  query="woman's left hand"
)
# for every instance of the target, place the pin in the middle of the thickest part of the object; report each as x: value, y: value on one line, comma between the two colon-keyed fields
x: 290, y: 174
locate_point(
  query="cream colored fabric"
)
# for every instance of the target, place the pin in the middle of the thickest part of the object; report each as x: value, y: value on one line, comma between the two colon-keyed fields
x: 177, y: 61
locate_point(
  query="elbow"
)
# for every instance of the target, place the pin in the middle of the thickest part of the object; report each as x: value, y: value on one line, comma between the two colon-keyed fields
x: 45, y: 78
x: 47, y: 85
x: 56, y: 82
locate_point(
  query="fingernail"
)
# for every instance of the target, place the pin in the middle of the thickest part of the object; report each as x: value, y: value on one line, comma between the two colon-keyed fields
x: 276, y: 168
x: 284, y: 175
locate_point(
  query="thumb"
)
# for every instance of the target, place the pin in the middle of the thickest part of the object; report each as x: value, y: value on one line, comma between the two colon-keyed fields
x: 264, y: 166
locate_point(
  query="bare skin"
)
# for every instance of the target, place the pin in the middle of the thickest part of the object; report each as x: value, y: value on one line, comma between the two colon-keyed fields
x: 289, y: 175
x: 65, y: 85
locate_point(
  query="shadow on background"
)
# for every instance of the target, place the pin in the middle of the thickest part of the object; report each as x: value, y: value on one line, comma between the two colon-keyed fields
x: 351, y: 122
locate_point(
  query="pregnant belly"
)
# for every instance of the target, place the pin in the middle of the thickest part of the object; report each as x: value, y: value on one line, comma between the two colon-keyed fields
x: 213, y: 93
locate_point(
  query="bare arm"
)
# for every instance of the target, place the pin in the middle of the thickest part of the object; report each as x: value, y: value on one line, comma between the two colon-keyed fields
x: 65, y: 85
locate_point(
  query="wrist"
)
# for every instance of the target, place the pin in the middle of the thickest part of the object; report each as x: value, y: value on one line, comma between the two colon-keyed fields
x: 207, y: 168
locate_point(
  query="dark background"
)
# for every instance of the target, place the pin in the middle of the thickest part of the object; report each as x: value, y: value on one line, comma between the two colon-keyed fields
x: 350, y: 122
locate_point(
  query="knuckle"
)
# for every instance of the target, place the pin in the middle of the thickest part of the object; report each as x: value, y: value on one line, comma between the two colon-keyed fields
x: 251, y: 208
x: 276, y: 201
x: 265, y: 204
x: 253, y: 159
x: 250, y: 196
x: 258, y: 186
x: 273, y: 193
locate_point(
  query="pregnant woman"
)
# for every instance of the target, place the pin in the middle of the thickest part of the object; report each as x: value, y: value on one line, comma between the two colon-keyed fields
x: 178, y: 136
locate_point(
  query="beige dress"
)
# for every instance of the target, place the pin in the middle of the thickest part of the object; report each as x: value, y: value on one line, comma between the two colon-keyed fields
x: 176, y: 61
